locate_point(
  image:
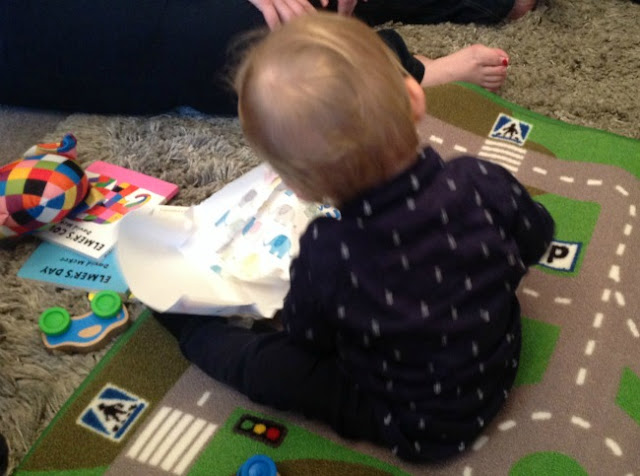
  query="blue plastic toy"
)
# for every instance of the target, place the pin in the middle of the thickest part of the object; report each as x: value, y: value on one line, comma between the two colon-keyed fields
x: 87, y: 332
x: 258, y: 465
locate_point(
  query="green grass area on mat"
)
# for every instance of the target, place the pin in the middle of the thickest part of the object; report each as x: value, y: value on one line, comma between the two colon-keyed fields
x: 547, y: 463
x: 228, y: 450
x: 575, y: 222
x: 538, y: 342
x: 628, y: 397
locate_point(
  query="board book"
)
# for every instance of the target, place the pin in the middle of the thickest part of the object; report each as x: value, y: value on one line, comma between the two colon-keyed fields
x: 91, y: 229
x: 66, y: 268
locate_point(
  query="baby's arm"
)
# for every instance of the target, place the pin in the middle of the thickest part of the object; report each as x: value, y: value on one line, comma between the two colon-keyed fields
x: 304, y: 314
x: 527, y: 221
x: 533, y: 225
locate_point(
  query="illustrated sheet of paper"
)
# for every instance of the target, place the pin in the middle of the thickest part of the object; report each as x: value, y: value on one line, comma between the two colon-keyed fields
x: 229, y: 255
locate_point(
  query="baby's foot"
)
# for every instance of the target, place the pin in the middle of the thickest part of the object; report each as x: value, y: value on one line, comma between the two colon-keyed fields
x: 477, y: 64
x: 520, y: 7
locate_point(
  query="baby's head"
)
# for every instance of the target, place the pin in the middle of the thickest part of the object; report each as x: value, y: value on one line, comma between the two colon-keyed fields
x: 329, y: 106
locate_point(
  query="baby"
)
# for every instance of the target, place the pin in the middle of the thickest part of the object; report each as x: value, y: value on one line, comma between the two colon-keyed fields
x: 401, y: 324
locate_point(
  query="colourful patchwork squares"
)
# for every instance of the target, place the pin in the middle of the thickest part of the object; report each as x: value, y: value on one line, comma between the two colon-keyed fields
x: 41, y: 188
x: 114, y: 204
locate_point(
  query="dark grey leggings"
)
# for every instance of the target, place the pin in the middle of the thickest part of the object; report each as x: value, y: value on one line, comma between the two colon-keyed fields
x: 148, y: 56
x: 268, y: 367
x: 376, y: 12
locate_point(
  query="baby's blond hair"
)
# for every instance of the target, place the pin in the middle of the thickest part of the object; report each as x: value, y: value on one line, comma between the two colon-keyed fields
x: 323, y: 100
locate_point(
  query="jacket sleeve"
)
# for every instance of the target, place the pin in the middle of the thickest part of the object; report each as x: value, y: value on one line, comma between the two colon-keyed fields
x: 533, y: 226
x: 529, y: 222
x: 305, y: 313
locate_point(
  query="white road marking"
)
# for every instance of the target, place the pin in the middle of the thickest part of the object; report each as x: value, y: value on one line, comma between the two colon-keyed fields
x: 597, y: 321
x: 614, y: 273
x: 627, y: 229
x: 541, y: 416
x: 183, y: 444
x: 566, y: 179
x: 589, y: 348
x: 168, y: 442
x: 148, y: 431
x: 530, y: 292
x: 503, y: 145
x: 159, y: 435
x: 633, y: 328
x: 467, y: 471
x: 540, y: 171
x: 632, y: 210
x: 508, y: 156
x: 501, y: 150
x: 562, y: 300
x: 459, y: 148
x: 580, y: 422
x: 613, y: 446
x: 620, y: 299
x: 203, y: 399
x: 435, y: 139
x: 606, y: 295
x: 622, y: 190
x: 496, y: 159
x: 594, y: 182
x: 195, y: 448
x: 620, y: 249
x: 582, y: 375
x: 489, y: 155
x: 480, y: 442
x: 509, y: 168
x: 507, y: 425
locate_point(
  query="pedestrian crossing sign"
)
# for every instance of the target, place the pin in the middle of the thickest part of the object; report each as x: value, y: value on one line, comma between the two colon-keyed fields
x: 510, y: 129
x: 112, y: 412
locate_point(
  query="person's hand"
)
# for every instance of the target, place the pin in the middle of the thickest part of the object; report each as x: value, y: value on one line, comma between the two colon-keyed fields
x: 277, y: 12
x: 345, y: 7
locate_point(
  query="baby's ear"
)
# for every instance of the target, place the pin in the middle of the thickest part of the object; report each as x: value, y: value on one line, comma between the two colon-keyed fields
x: 416, y: 98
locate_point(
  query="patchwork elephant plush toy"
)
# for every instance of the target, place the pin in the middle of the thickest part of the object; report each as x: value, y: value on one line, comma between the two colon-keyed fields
x: 41, y: 188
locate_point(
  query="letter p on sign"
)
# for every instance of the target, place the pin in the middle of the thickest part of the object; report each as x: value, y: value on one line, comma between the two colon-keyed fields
x: 561, y: 255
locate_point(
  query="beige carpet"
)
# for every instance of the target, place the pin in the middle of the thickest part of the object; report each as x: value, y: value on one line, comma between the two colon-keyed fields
x: 578, y: 61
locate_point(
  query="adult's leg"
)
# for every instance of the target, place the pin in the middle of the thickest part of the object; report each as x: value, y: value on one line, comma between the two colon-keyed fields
x: 82, y: 55
x: 477, y: 64
x: 119, y: 56
x: 270, y: 369
x: 202, y: 43
x: 376, y: 12
x: 409, y: 62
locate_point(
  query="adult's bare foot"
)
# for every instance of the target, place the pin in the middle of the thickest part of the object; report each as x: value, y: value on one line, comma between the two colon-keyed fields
x: 520, y: 8
x: 477, y: 64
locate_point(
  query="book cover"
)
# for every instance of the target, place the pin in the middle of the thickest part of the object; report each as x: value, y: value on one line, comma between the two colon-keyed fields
x: 115, y: 191
x: 61, y: 266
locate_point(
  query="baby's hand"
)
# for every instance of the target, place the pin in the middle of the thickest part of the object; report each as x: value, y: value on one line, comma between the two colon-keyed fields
x: 277, y: 12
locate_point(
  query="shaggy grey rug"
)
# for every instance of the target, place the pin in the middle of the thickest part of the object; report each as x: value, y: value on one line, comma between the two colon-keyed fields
x: 573, y: 60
